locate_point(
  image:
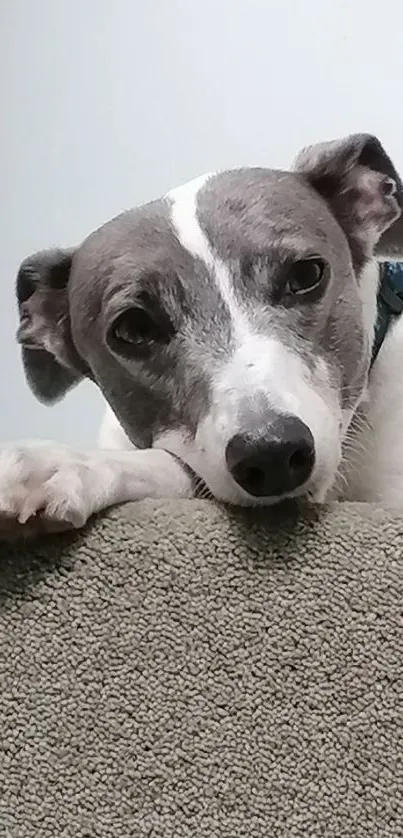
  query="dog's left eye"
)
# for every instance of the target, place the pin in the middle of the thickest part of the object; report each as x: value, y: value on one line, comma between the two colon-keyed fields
x: 305, y: 276
x: 135, y: 326
x: 137, y: 329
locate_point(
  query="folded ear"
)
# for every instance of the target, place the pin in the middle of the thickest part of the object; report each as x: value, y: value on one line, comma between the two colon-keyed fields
x: 360, y: 183
x: 52, y: 365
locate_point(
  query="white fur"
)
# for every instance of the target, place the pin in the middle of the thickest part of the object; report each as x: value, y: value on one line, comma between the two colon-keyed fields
x: 373, y: 470
x: 59, y: 487
x: 259, y: 365
x: 368, y: 292
x: 192, y: 238
x: 53, y: 486
x: 183, y: 214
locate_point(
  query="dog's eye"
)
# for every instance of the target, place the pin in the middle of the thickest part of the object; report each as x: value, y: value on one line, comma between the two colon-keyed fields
x: 305, y: 276
x: 138, y: 328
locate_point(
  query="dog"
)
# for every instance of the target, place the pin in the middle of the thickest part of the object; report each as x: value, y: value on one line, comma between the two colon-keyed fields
x: 230, y: 327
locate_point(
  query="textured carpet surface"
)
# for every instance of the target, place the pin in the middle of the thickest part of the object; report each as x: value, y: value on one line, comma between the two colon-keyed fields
x: 179, y: 671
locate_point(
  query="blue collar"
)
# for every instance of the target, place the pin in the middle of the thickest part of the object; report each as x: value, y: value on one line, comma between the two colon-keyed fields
x: 390, y: 302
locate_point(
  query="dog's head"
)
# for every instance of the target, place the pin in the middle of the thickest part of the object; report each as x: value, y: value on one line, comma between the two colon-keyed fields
x: 230, y: 322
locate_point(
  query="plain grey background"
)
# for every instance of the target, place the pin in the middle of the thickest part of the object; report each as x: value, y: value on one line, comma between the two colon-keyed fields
x: 108, y: 103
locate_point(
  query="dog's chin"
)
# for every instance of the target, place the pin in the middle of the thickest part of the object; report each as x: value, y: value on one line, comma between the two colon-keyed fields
x: 213, y: 481
x: 317, y: 491
x: 235, y: 496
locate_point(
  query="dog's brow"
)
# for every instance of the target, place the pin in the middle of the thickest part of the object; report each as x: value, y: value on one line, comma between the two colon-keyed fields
x: 192, y: 237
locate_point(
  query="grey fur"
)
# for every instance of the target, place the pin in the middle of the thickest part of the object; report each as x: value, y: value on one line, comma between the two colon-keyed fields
x: 263, y: 219
x: 138, y: 252
x: 51, y: 363
x: 257, y: 221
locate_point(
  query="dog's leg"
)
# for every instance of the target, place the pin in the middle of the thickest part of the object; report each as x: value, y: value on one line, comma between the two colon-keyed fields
x: 46, y: 486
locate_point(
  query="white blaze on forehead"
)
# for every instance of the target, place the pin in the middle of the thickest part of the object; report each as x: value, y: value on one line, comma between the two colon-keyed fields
x: 184, y: 218
x: 192, y: 238
x: 261, y: 371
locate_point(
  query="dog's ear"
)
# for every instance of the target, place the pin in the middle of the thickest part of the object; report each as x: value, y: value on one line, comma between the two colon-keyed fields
x: 52, y: 365
x: 360, y: 184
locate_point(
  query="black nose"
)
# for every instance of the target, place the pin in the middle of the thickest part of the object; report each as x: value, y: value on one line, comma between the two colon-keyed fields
x: 273, y: 465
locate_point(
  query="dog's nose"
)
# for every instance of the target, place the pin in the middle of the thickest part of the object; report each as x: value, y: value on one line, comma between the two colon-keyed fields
x: 275, y: 464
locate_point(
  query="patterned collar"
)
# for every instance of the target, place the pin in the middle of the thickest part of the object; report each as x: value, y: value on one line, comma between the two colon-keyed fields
x: 390, y: 302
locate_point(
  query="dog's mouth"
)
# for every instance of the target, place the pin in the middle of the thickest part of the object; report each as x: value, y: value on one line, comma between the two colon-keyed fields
x: 313, y: 482
x: 201, y: 491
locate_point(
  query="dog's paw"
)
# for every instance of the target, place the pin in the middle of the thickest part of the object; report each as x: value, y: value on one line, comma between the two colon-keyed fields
x: 43, y: 487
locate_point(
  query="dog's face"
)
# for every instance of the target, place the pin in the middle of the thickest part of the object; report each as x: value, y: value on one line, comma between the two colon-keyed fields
x: 225, y: 322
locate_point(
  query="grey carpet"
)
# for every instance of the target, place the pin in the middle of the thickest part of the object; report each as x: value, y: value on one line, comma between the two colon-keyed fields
x: 179, y: 671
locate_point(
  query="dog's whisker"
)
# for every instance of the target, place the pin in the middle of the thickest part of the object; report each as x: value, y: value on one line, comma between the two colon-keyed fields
x: 216, y: 333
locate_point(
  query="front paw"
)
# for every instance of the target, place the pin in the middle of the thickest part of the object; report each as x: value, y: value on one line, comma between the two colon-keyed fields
x: 43, y: 488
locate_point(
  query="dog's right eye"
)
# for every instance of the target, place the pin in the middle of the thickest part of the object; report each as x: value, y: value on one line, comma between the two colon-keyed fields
x: 138, y: 329
x: 306, y: 276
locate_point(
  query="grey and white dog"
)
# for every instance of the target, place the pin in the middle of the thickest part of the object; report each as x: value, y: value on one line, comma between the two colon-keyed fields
x: 229, y: 326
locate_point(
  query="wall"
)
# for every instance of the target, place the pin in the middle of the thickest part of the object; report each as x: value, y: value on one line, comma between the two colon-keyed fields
x: 107, y: 103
